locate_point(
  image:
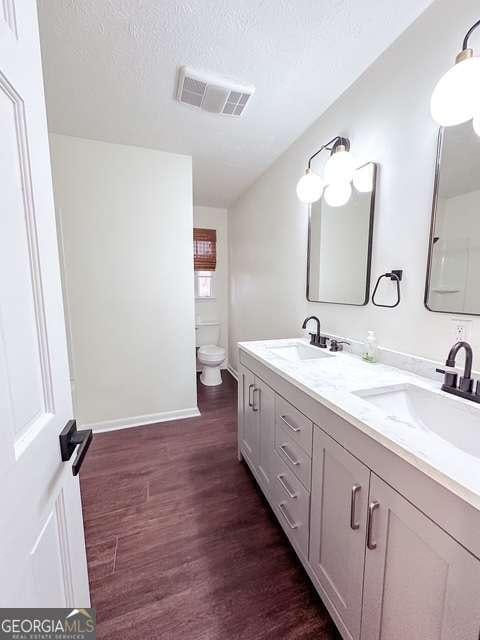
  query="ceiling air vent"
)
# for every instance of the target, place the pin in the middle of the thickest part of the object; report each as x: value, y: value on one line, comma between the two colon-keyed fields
x: 212, y: 93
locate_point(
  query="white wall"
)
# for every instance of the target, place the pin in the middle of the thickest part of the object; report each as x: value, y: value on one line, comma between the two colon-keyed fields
x: 126, y: 226
x: 217, y: 309
x: 386, y: 116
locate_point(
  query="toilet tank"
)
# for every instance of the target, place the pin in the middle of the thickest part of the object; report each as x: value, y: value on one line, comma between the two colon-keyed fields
x: 207, y: 333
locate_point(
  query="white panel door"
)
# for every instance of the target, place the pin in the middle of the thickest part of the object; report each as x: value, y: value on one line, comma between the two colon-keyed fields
x: 42, y: 551
x: 419, y: 582
x: 340, y: 485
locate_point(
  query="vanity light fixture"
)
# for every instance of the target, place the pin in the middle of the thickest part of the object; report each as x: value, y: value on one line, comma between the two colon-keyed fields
x: 310, y: 186
x: 338, y: 193
x: 338, y: 174
x: 456, y: 97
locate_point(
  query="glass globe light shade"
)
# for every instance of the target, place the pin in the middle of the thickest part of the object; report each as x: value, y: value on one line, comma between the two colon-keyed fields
x: 363, y: 178
x: 309, y: 187
x: 456, y: 96
x: 338, y: 194
x: 476, y: 123
x: 340, y: 167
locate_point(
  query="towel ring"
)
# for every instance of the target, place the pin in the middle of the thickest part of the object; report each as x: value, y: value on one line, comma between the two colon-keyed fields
x: 396, y: 276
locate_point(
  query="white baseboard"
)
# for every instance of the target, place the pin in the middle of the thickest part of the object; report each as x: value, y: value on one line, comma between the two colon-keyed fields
x: 232, y: 372
x: 139, y: 421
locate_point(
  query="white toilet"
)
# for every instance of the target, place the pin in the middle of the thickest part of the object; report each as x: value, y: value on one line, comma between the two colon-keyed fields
x: 209, y: 354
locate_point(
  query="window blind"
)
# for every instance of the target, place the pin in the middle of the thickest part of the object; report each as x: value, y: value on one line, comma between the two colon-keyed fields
x: 204, y: 249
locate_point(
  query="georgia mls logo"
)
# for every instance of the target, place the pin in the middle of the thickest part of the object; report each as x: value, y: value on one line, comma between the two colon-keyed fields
x: 83, y: 612
x: 48, y: 624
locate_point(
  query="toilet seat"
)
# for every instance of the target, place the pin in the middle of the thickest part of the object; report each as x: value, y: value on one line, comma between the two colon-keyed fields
x: 211, y: 353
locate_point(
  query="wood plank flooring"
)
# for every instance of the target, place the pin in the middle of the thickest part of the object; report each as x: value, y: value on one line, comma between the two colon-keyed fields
x: 181, y: 544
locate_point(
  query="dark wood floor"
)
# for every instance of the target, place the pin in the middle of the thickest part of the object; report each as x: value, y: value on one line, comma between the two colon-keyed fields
x: 181, y: 545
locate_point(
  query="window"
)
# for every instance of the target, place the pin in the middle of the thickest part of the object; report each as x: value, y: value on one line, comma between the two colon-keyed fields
x: 204, y: 249
x: 204, y: 261
x: 204, y: 284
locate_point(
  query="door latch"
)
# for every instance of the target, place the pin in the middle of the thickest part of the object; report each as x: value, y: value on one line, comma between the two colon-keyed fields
x: 70, y: 438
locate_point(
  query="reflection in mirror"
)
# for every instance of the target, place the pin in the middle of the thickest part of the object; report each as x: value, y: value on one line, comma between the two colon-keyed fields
x: 340, y: 244
x: 454, y: 257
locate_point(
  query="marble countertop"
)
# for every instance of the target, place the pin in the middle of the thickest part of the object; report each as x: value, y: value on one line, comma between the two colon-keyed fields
x: 333, y: 381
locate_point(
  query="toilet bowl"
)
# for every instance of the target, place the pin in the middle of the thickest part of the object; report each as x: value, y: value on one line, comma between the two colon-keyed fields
x: 211, y: 357
x: 209, y: 354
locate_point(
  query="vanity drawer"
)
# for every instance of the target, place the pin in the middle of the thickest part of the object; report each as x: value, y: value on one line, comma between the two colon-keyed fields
x: 292, y: 502
x: 296, y: 459
x: 298, y: 425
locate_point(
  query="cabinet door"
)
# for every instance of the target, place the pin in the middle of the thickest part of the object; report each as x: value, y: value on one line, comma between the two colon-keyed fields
x: 340, y: 486
x: 249, y: 437
x: 419, y: 582
x: 264, y: 404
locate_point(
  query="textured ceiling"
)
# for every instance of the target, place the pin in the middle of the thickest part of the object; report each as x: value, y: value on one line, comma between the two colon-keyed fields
x: 110, y: 72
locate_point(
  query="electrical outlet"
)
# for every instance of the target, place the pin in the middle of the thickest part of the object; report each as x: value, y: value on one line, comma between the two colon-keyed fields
x: 461, y: 330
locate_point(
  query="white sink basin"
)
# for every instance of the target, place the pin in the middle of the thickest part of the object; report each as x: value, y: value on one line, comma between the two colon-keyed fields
x: 298, y: 352
x: 418, y: 408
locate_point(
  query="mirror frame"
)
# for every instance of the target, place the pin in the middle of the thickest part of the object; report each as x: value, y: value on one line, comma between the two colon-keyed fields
x: 369, y: 252
x: 436, y: 182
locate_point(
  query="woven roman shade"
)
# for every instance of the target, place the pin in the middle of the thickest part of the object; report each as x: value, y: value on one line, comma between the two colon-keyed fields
x: 204, y: 249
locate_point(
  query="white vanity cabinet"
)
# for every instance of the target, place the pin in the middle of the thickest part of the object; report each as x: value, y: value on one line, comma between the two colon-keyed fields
x: 265, y: 410
x: 258, y: 432
x: 419, y: 582
x: 416, y: 581
x: 390, y: 552
x: 249, y: 419
x: 338, y: 527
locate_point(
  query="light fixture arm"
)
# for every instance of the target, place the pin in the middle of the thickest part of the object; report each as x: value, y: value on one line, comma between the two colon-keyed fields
x: 335, y: 142
x: 468, y: 34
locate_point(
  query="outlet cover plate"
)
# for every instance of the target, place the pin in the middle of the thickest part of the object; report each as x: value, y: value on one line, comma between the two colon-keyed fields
x: 461, y: 329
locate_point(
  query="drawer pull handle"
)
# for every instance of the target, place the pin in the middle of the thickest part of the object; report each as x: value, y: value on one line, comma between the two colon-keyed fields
x: 256, y: 405
x: 250, y: 387
x: 284, y: 512
x: 372, y: 507
x: 289, y: 492
x: 287, y: 455
x: 353, y: 503
x: 294, y: 429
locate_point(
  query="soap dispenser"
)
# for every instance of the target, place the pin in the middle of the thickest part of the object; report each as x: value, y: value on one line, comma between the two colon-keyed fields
x: 370, y: 347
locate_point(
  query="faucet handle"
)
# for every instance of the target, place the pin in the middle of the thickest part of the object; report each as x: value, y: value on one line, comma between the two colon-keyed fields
x: 337, y: 345
x: 323, y: 341
x: 466, y: 384
x: 318, y: 340
x: 451, y: 376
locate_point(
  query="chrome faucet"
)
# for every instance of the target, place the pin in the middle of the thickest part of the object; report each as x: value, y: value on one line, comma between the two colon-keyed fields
x: 315, y: 338
x: 464, y: 388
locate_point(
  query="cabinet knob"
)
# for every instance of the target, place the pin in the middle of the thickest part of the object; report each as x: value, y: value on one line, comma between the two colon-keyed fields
x: 353, y: 503
x: 295, y: 462
x: 250, y: 402
x: 372, y: 507
x: 290, y: 425
x: 256, y: 405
